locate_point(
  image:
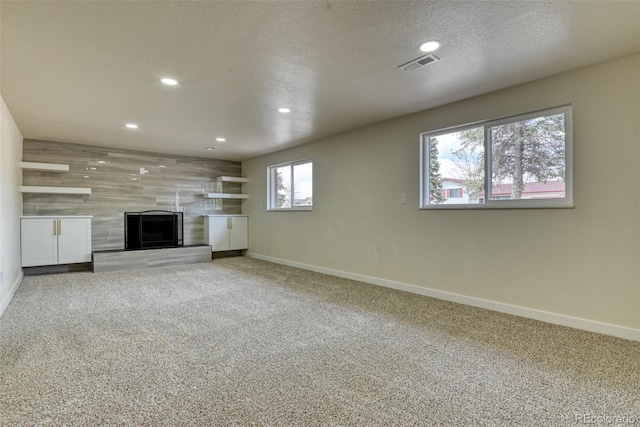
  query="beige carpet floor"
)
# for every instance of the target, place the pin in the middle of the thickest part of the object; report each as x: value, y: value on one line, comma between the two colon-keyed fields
x: 244, y: 342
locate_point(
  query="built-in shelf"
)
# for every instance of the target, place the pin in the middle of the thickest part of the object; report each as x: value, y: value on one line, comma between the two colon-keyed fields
x: 224, y: 196
x: 55, y: 190
x: 232, y: 179
x: 49, y: 167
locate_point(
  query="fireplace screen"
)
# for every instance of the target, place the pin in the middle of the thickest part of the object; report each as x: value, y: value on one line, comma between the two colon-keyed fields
x: 153, y: 229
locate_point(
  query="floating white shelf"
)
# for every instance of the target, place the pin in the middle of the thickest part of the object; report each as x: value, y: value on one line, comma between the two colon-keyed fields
x: 49, y: 167
x: 225, y: 196
x: 55, y: 190
x: 232, y: 179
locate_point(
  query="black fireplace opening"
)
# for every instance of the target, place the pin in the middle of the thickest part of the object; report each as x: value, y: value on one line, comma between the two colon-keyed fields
x: 153, y: 229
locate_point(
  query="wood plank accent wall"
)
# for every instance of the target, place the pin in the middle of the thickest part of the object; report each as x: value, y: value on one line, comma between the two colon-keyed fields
x: 118, y: 186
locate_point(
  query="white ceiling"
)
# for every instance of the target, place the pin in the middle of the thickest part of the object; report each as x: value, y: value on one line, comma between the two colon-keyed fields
x: 78, y: 71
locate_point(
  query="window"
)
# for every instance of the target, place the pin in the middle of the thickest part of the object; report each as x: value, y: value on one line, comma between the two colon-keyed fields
x: 290, y: 186
x: 453, y: 193
x: 515, y: 162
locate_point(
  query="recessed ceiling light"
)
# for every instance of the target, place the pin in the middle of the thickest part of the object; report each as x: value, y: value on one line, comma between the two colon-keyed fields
x: 161, y: 166
x: 169, y: 82
x: 86, y: 176
x: 430, y: 46
x: 284, y: 110
x: 221, y: 139
x: 102, y: 162
x: 132, y: 126
x: 210, y: 148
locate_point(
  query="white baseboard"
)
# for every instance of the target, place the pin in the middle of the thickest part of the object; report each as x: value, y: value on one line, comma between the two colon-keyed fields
x: 545, y: 316
x: 7, y: 299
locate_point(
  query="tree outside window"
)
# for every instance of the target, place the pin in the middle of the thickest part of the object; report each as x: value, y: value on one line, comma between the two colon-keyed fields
x: 524, y: 158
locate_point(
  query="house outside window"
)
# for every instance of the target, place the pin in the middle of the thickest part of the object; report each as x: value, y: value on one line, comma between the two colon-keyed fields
x: 454, y: 191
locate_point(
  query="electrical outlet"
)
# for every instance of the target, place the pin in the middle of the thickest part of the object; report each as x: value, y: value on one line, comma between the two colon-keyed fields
x: 403, y: 198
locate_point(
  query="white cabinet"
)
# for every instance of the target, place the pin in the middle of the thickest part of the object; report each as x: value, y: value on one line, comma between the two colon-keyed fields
x: 238, y: 232
x: 226, y: 232
x: 49, y: 240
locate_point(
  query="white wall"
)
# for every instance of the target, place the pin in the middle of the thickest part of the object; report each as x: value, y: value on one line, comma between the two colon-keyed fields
x: 570, y: 266
x: 10, y: 205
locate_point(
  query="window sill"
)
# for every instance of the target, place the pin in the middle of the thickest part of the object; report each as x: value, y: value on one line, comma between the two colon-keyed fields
x: 496, y: 206
x: 296, y: 209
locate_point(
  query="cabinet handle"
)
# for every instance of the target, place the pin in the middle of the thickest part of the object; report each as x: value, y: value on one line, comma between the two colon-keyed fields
x: 55, y: 228
x: 59, y: 227
x: 229, y: 224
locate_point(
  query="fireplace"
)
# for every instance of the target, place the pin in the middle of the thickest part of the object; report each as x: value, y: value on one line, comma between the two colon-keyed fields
x: 153, y: 229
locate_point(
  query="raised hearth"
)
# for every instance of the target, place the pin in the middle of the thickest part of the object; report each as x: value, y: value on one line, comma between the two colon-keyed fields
x: 120, y: 260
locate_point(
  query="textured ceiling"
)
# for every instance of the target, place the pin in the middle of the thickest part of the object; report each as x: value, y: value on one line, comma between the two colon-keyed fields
x: 78, y: 71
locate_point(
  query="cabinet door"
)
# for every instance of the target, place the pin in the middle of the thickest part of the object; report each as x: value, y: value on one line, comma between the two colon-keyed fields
x: 219, y: 233
x: 239, y: 236
x: 39, y: 243
x: 74, y: 240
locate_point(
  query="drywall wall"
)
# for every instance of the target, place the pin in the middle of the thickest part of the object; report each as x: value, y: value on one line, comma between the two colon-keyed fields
x: 10, y: 205
x: 127, y: 181
x: 577, y: 263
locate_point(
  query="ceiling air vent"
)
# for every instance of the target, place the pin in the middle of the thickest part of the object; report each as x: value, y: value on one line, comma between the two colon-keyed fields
x: 419, y: 62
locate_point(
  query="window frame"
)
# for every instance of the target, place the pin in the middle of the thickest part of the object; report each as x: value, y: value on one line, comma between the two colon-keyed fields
x: 489, y: 203
x: 272, y: 192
